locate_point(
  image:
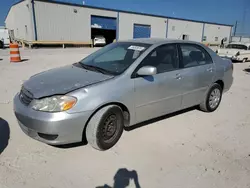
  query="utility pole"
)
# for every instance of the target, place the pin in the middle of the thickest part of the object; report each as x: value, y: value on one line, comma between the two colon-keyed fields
x: 245, y: 9
x: 235, y: 27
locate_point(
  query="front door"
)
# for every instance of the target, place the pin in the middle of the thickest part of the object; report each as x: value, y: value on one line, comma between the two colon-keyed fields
x: 197, y: 72
x: 159, y: 94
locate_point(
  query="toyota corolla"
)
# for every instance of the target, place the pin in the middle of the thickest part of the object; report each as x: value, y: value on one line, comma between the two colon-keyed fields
x: 118, y: 86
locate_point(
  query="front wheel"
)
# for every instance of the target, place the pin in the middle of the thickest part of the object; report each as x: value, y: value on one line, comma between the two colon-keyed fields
x: 213, y: 99
x: 105, y: 127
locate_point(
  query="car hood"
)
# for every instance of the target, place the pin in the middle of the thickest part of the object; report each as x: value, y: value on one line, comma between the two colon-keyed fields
x: 62, y: 80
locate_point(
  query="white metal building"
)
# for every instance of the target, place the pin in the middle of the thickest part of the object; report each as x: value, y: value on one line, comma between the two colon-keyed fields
x: 43, y: 20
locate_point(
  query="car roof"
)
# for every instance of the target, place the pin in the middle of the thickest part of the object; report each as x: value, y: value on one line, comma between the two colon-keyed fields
x: 157, y: 41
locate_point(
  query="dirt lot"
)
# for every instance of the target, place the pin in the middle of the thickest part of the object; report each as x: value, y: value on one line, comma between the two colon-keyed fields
x: 188, y: 150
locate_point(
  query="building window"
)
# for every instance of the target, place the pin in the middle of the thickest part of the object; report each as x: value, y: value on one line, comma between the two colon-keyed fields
x: 204, y: 38
x: 216, y: 39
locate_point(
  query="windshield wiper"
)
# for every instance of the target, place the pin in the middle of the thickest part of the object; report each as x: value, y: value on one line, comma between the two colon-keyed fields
x: 97, y: 69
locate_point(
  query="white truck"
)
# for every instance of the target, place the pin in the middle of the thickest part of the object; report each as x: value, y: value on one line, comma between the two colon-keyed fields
x: 236, y: 52
x: 4, y: 38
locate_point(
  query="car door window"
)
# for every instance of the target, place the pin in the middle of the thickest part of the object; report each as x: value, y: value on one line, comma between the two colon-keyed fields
x: 164, y: 58
x: 194, y: 55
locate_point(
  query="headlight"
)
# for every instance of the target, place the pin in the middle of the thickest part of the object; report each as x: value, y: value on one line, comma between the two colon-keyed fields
x: 54, y: 103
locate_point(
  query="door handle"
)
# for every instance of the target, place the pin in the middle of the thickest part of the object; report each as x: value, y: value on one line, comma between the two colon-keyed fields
x: 210, y: 69
x: 178, y: 77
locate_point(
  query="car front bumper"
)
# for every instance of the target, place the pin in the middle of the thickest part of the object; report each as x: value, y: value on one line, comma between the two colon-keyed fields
x: 51, y: 128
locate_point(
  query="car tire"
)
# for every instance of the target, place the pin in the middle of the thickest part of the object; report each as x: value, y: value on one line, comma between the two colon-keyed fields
x: 1, y: 45
x: 212, y: 99
x: 105, y: 127
x: 244, y: 60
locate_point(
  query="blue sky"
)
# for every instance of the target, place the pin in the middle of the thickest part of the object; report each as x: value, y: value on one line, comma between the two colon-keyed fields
x: 221, y: 11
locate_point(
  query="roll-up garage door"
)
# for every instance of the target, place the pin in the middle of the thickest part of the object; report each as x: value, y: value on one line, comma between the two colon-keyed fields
x: 142, y: 31
x: 103, y: 23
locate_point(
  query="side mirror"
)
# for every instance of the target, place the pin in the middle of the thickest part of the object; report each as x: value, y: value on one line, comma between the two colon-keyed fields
x: 147, y: 71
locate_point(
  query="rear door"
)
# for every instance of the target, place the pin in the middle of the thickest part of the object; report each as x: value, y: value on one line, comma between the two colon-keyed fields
x: 197, y: 71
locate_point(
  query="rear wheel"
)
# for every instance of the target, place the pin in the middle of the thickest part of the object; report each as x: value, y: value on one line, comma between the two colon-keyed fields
x: 105, y: 127
x: 213, y: 99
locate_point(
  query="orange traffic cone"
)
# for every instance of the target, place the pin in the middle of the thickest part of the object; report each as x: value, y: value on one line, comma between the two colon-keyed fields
x: 14, y: 53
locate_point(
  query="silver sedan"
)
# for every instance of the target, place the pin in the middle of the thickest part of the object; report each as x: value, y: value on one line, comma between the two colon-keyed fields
x: 120, y: 85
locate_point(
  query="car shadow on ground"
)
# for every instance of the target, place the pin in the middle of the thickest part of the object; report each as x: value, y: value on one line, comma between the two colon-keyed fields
x: 159, y: 119
x: 4, y: 134
x: 123, y: 178
x: 68, y: 146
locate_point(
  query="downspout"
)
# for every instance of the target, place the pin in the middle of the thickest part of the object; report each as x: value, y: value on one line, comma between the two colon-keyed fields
x: 230, y: 37
x: 166, y: 28
x: 34, y: 19
x: 203, y: 32
x: 117, y: 26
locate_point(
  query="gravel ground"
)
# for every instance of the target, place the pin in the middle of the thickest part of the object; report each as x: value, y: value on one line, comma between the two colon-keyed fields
x: 191, y: 149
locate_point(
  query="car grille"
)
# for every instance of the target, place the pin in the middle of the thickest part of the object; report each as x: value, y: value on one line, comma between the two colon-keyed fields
x: 25, y: 96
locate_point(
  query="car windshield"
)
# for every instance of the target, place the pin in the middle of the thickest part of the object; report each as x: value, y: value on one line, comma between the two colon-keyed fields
x: 237, y: 46
x: 115, y: 58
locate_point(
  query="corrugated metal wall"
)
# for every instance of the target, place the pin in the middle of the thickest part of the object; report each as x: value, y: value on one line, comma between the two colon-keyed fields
x: 58, y: 22
x: 20, y: 20
x: 214, y: 32
x: 127, y: 21
x: 178, y: 28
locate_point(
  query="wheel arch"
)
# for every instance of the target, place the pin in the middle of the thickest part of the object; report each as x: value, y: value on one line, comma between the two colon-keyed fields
x: 126, y: 115
x: 221, y: 83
